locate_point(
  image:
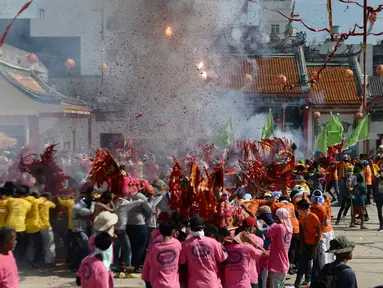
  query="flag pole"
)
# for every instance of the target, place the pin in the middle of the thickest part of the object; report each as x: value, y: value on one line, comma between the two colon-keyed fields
x: 365, y: 54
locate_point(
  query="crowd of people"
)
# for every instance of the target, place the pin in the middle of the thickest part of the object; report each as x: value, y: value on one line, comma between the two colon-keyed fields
x: 282, y: 234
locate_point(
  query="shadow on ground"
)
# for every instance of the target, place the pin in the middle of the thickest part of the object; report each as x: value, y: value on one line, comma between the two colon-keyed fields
x: 60, y: 270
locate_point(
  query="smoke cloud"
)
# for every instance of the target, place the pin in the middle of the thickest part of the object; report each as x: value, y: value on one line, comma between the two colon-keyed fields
x: 159, y: 47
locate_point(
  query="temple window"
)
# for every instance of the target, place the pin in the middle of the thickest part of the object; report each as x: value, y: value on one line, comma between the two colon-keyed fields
x: 275, y: 29
x: 41, y: 13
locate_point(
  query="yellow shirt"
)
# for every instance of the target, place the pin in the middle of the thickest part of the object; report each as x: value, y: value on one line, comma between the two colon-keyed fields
x: 18, y: 208
x: 3, y: 212
x: 44, y: 208
x: 69, y: 203
x: 32, y: 220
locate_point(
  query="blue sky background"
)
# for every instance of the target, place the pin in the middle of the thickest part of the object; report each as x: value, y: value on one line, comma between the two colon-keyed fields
x: 313, y: 12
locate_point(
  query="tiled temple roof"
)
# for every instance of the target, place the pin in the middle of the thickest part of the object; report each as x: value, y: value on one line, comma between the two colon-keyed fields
x: 334, y: 87
x: 236, y: 72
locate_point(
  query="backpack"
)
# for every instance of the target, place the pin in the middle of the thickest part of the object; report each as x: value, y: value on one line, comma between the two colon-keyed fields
x: 328, y: 277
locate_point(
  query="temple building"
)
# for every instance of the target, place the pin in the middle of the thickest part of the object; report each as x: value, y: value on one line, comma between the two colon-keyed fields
x: 35, y: 114
x: 279, y: 75
x: 375, y: 85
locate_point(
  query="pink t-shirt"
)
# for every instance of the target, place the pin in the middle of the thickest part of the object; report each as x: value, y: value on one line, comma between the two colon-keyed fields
x: 280, y: 244
x: 9, y: 277
x: 255, y: 267
x: 164, y: 261
x: 146, y: 270
x: 202, y: 256
x: 155, y: 233
x: 94, y: 274
x: 237, y: 270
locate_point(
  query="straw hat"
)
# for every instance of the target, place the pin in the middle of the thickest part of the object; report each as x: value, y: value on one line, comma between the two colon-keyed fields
x: 105, y: 221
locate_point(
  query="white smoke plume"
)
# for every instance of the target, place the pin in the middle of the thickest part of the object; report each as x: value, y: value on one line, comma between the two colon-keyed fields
x: 160, y: 45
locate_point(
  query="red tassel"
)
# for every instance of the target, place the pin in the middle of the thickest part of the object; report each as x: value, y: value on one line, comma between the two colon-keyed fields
x: 45, y: 170
x: 105, y: 170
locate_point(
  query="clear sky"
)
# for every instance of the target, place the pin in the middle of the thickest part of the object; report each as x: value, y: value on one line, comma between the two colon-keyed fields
x: 313, y: 12
x: 11, y: 7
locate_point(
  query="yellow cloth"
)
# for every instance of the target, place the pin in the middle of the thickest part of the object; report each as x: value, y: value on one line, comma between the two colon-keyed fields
x: 375, y: 169
x: 8, y: 197
x: 3, y: 212
x: 69, y: 203
x: 18, y: 208
x: 32, y: 220
x: 304, y: 185
x: 44, y: 208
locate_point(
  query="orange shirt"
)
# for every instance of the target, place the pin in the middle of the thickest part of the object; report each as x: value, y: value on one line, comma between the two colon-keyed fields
x: 321, y: 213
x: 327, y: 205
x: 253, y: 205
x: 323, y: 170
x: 291, y: 209
x: 309, y: 226
x: 332, y: 173
x: 367, y: 175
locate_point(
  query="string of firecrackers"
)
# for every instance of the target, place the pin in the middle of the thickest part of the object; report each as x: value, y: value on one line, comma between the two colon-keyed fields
x: 329, y: 10
x: 23, y: 8
x: 371, y: 15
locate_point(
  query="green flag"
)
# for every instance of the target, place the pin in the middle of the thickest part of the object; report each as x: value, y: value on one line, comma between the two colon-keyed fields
x: 331, y: 135
x: 225, y: 137
x: 268, y: 129
x: 322, y: 141
x: 334, y: 131
x: 361, y: 132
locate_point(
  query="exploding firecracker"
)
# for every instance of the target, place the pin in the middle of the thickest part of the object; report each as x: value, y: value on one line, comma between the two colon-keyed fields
x: 169, y: 31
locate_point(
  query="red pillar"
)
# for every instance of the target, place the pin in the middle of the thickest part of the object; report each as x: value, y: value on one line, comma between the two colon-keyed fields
x: 89, y: 133
x: 34, y: 133
x: 366, y: 142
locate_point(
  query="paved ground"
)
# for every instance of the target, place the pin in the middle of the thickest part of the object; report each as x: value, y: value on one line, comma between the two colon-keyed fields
x: 367, y: 262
